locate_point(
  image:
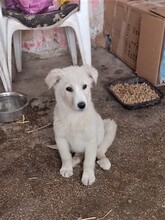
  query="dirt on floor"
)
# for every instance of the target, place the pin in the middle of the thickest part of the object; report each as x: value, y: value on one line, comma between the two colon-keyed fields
x: 30, y: 184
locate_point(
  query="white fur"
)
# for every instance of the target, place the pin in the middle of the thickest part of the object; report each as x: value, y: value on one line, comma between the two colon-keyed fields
x: 79, y: 130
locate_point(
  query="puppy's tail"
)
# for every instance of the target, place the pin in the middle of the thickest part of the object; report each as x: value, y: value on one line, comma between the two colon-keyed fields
x: 110, y: 128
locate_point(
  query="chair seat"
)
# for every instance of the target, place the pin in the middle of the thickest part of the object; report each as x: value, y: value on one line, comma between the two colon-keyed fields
x: 73, y: 18
x: 44, y: 19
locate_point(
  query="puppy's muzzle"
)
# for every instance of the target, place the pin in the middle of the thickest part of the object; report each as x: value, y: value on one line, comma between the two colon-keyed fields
x: 81, y: 105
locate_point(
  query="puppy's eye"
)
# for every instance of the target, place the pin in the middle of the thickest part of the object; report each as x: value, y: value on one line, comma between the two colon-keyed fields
x: 69, y: 89
x: 84, y: 86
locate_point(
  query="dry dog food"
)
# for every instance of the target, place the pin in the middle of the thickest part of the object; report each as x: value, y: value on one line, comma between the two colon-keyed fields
x: 134, y: 93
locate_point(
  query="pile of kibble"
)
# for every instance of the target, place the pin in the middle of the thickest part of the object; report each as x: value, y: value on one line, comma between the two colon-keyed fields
x: 134, y: 93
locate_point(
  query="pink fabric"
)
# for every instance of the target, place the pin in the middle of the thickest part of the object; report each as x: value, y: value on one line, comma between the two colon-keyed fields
x: 10, y: 4
x: 35, y: 6
x: 31, y: 6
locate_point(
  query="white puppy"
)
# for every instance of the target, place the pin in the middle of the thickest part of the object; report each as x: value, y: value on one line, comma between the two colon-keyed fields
x: 78, y: 127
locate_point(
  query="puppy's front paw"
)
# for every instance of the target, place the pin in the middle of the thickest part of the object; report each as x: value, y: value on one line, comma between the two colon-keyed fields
x: 88, y: 178
x: 104, y: 163
x: 66, y: 172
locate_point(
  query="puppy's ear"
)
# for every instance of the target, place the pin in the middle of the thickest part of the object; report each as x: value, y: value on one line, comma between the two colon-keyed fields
x: 92, y: 72
x: 53, y: 77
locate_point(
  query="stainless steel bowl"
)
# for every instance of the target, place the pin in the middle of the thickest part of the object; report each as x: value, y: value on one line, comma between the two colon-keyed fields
x: 12, y: 106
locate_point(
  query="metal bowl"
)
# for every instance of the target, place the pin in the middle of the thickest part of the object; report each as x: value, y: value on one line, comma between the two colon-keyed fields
x: 12, y: 106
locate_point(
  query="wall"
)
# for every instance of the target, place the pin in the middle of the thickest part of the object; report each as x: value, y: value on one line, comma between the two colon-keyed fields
x: 53, y: 42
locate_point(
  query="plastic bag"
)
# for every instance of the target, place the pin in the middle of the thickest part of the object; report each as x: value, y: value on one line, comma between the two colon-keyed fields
x: 34, y: 6
x: 31, y: 6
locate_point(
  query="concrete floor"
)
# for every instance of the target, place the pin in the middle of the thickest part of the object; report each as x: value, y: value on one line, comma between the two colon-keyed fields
x: 30, y: 184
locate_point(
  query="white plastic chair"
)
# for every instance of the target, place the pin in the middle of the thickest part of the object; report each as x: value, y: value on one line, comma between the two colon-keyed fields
x: 4, y: 73
x: 77, y: 23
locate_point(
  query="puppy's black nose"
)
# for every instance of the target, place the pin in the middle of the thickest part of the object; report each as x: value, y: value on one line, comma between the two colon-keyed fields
x: 81, y: 105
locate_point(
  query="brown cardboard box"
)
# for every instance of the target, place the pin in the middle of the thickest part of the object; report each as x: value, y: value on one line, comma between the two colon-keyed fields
x: 123, y: 26
x: 151, y: 44
x: 136, y: 32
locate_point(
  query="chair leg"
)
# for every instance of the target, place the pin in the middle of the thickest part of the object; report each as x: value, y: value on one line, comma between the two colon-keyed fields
x: 3, y: 33
x: 4, y: 73
x: 82, y: 30
x: 84, y: 47
x: 84, y: 38
x: 71, y: 44
x: 17, y: 42
x: 9, y: 53
x: 4, y: 79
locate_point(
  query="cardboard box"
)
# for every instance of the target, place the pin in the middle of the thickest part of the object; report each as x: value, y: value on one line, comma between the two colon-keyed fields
x: 136, y: 34
x: 151, y: 53
x: 122, y: 23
